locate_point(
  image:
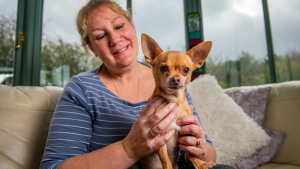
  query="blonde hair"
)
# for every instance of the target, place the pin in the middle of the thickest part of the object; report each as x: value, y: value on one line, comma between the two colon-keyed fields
x: 84, y: 12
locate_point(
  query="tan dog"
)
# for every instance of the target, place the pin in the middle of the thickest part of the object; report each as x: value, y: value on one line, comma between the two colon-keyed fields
x: 172, y: 72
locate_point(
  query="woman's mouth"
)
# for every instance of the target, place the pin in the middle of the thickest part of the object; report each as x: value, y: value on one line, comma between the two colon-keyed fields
x: 119, y: 51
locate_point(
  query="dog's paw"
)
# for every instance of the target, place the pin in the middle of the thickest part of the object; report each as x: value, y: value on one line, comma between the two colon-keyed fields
x: 203, y: 165
x: 207, y: 165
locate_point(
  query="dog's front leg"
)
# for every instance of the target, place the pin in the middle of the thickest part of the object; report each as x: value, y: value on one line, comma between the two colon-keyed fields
x: 164, y: 158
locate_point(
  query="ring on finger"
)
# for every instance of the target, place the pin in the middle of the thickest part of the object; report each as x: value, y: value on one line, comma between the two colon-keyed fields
x: 151, y: 132
x: 198, y: 143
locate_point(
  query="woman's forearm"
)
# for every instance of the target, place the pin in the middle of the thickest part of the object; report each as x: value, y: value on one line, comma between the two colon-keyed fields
x: 112, y: 156
x: 210, y: 155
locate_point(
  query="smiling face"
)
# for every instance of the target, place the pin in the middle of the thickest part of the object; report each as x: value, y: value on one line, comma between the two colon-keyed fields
x: 112, y: 38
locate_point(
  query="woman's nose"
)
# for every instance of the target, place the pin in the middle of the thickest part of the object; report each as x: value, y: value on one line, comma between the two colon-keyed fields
x: 114, y: 38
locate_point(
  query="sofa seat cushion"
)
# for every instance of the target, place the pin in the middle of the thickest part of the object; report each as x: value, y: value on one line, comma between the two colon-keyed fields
x: 278, y: 166
x: 25, y: 114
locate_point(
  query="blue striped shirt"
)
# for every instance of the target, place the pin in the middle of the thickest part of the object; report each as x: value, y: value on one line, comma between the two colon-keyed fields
x: 88, y: 117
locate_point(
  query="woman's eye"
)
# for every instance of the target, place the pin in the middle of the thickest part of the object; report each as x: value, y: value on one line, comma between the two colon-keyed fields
x: 163, y: 69
x: 100, y: 36
x: 119, y: 26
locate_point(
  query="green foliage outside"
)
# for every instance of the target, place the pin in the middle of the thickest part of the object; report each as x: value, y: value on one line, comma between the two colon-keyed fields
x: 248, y: 71
x: 288, y: 66
x: 56, y: 54
x: 7, y: 36
x: 61, y: 60
x: 245, y: 71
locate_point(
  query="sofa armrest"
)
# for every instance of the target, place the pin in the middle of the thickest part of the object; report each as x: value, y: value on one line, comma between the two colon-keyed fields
x: 25, y: 114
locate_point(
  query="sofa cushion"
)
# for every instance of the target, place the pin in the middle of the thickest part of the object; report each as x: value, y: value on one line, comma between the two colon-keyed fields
x: 25, y: 114
x: 264, y: 154
x: 234, y: 134
x: 283, y: 114
x: 253, y: 102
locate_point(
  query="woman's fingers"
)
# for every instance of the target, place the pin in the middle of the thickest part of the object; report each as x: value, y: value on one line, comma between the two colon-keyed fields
x: 193, y: 150
x: 160, y: 115
x: 162, y: 125
x: 140, y: 141
x: 188, y: 140
x: 149, y: 109
x: 189, y: 134
x: 160, y: 141
x: 191, y: 129
x: 185, y: 120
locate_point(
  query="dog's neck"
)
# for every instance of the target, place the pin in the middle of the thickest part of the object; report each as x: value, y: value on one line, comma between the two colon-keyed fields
x: 177, y: 97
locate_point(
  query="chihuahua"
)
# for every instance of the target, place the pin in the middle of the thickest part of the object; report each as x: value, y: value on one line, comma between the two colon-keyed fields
x: 172, y: 72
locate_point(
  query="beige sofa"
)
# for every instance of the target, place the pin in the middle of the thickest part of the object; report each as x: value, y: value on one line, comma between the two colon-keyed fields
x: 25, y: 114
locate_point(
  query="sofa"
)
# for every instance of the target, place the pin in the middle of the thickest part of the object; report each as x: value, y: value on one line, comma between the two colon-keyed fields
x: 25, y: 115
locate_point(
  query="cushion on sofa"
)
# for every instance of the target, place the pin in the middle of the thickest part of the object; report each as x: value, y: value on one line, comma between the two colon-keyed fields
x: 264, y: 154
x: 25, y: 114
x: 234, y: 134
x: 283, y: 114
x: 254, y: 102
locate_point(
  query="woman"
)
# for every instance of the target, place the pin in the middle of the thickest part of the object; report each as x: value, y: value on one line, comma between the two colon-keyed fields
x: 103, y: 118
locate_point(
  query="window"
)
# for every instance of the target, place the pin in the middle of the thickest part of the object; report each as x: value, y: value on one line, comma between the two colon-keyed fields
x: 8, y: 10
x: 163, y: 21
x: 239, y: 53
x: 284, y: 18
x: 62, y: 54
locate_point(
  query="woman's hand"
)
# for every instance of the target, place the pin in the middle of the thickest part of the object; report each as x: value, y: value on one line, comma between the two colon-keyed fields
x: 190, y: 131
x: 139, y: 142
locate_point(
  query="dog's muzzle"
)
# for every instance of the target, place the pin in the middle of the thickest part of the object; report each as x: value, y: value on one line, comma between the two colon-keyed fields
x: 174, y: 83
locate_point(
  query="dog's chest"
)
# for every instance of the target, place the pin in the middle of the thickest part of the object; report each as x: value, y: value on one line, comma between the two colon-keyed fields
x: 182, y: 109
x: 152, y: 161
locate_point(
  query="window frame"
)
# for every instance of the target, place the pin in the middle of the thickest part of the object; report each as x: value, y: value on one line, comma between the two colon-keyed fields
x: 27, y: 59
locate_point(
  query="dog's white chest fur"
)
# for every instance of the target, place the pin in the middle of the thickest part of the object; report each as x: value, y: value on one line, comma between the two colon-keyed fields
x: 173, y: 125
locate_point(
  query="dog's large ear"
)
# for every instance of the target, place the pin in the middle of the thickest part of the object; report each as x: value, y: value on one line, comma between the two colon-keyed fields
x: 150, y: 48
x: 200, y: 53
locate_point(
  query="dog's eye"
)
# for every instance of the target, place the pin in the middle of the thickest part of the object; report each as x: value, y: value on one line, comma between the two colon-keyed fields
x: 186, y: 70
x: 163, y: 69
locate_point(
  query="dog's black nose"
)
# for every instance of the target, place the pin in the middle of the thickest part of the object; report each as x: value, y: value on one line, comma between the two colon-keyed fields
x: 175, y: 80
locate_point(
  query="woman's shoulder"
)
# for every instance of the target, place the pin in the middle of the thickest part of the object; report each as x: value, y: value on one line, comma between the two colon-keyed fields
x: 147, y: 81
x: 85, y: 78
x: 146, y: 70
x: 92, y: 73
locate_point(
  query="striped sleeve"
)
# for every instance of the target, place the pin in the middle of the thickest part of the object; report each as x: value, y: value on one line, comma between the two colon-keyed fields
x: 70, y: 129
